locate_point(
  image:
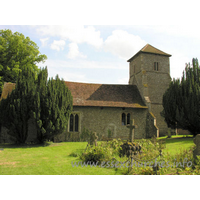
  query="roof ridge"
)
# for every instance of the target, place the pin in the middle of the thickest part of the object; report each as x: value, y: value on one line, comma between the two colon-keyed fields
x: 148, y: 45
x: 150, y: 49
x: 96, y: 83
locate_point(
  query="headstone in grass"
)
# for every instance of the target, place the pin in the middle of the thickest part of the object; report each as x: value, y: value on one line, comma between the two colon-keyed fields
x: 93, y: 139
x: 196, y: 152
x: 169, y: 133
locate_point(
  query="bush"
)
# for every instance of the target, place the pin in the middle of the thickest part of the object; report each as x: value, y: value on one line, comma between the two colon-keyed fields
x: 127, y: 147
x: 74, y: 154
x: 85, y: 135
x: 47, y: 143
x: 97, y: 154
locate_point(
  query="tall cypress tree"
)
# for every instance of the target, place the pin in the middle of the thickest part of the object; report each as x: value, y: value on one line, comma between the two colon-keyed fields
x: 53, y: 105
x: 16, y: 109
x: 181, y: 101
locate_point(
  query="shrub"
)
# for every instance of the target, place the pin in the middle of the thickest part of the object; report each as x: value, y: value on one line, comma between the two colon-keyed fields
x: 47, y: 143
x: 74, y: 154
x: 97, y: 154
x: 85, y: 135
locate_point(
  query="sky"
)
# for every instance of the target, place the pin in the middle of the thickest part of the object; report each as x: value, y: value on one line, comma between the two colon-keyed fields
x: 91, y: 41
x: 99, y: 53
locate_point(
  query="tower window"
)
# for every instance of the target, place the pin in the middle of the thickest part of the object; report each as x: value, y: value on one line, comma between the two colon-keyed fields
x: 155, y: 66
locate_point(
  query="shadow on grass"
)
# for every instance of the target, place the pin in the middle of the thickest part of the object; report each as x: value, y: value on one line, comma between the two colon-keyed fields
x: 7, y: 146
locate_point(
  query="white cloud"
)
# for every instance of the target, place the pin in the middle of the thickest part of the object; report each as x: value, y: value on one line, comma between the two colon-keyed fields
x: 76, y: 34
x: 177, y: 64
x: 58, y: 45
x: 123, y: 44
x: 44, y: 41
x: 74, y: 51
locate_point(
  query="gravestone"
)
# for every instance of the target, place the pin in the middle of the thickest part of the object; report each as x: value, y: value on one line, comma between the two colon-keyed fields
x: 196, y: 152
x: 93, y: 139
x: 131, y: 126
x: 169, y: 133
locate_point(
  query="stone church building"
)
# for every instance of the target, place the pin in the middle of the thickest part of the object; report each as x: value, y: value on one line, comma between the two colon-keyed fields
x: 109, y: 109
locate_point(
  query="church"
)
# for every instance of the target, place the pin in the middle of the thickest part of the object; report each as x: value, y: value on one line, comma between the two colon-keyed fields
x: 109, y: 109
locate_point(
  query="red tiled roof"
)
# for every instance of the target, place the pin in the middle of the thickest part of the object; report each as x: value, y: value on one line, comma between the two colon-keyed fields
x: 7, y: 89
x: 103, y: 95
x: 150, y: 49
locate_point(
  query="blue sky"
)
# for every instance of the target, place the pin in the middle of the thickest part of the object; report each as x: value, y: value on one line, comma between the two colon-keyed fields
x: 99, y: 54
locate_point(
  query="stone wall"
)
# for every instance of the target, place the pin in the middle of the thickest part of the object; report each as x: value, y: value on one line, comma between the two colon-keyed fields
x: 157, y: 85
x: 147, y: 62
x: 100, y: 120
x: 183, y: 132
x: 151, y: 128
x: 135, y: 65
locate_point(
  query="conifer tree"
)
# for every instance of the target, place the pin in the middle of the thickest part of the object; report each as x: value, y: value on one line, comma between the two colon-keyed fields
x: 49, y: 102
x: 16, y: 109
x: 181, y: 101
x: 53, y: 105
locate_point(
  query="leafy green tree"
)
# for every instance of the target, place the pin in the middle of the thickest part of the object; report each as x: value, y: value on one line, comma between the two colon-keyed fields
x: 16, y: 109
x: 53, y: 106
x: 16, y: 51
x: 181, y: 101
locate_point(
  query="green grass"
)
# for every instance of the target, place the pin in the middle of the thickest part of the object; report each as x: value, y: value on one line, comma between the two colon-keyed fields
x: 56, y: 160
x: 177, y: 143
x: 51, y: 160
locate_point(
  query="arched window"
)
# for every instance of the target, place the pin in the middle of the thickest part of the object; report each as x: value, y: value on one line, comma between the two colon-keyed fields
x: 71, y: 123
x: 76, y: 123
x: 128, y: 118
x: 123, y: 119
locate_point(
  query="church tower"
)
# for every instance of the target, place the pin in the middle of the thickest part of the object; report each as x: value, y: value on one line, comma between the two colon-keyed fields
x: 149, y: 70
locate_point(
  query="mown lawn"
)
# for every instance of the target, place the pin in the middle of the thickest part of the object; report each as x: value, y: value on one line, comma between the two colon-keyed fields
x: 50, y: 160
x: 177, y: 143
x: 56, y: 160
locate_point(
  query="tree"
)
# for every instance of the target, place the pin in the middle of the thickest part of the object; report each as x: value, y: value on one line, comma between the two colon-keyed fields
x: 16, y: 52
x: 53, y: 106
x: 16, y: 109
x: 181, y: 101
x: 49, y: 102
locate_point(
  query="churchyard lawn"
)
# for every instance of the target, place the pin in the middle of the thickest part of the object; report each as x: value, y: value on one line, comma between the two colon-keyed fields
x: 56, y: 159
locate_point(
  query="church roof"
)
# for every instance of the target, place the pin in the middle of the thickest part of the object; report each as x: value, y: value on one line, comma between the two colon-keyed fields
x: 150, y: 49
x: 7, y: 89
x: 100, y: 95
x: 105, y: 95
